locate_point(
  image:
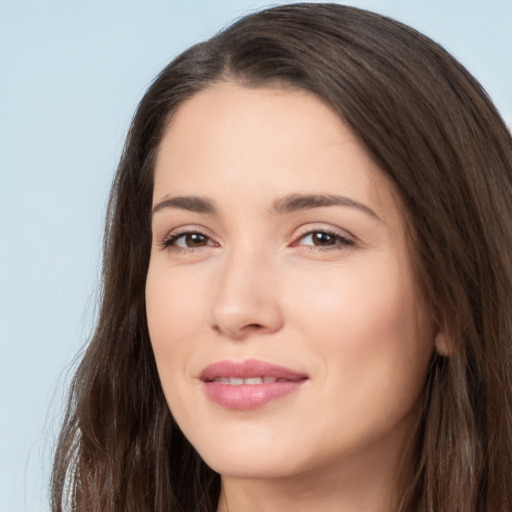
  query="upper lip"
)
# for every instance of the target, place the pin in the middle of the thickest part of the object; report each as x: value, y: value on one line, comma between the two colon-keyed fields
x: 247, y: 369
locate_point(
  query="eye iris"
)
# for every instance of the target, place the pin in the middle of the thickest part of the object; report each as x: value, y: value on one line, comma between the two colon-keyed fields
x: 323, y: 239
x: 195, y: 240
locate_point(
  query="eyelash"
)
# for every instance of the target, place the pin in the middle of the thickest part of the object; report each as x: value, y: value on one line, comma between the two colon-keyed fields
x: 169, y: 240
x: 341, y: 242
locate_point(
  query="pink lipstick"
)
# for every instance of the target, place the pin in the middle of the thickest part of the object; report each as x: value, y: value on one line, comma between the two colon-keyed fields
x: 248, y: 384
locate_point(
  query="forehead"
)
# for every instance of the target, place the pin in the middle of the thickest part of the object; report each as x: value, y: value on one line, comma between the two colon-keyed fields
x: 262, y: 143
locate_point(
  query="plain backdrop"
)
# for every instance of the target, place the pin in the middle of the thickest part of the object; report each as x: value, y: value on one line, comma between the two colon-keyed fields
x: 71, y: 75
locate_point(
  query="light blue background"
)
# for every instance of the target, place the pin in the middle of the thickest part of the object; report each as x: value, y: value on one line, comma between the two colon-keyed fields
x: 71, y: 74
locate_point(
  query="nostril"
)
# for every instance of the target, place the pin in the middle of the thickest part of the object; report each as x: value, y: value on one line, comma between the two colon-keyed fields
x: 237, y: 317
x: 238, y: 332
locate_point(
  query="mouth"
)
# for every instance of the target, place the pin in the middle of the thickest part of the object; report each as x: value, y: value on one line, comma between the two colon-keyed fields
x: 235, y: 381
x: 249, y: 384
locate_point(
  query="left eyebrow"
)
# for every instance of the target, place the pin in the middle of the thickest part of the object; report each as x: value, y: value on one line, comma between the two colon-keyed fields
x: 296, y: 202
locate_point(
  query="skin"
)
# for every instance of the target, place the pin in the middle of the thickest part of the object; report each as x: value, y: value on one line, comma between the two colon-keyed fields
x: 256, y: 285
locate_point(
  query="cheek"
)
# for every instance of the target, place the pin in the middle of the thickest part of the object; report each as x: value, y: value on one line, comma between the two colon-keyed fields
x: 173, y: 318
x: 364, y: 322
x: 365, y: 328
x: 174, y: 315
x: 354, y: 299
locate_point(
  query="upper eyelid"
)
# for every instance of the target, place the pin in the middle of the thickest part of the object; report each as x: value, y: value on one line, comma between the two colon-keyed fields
x: 179, y: 234
x: 191, y: 228
x: 318, y: 227
x: 300, y: 232
x: 164, y: 241
x: 341, y: 239
x: 168, y: 242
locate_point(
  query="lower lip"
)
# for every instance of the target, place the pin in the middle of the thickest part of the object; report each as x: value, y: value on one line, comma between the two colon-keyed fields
x: 243, y: 397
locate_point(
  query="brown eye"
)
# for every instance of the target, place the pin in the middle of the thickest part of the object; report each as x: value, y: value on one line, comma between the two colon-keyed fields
x: 193, y: 240
x: 324, y: 239
x: 189, y: 240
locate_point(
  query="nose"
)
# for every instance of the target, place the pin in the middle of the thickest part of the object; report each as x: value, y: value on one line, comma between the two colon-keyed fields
x: 247, y: 300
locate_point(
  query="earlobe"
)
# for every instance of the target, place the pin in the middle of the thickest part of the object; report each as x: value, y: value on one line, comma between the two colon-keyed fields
x: 442, y: 345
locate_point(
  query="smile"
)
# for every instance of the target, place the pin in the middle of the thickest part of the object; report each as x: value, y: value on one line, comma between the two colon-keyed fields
x: 235, y: 381
x: 249, y: 384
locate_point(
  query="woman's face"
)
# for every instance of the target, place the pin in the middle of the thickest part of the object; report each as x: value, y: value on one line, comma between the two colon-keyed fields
x: 282, y: 308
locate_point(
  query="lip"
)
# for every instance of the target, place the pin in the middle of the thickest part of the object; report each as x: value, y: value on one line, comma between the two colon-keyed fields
x: 249, y: 396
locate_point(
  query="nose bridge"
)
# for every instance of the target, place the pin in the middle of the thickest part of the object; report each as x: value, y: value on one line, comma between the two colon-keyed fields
x: 246, y: 298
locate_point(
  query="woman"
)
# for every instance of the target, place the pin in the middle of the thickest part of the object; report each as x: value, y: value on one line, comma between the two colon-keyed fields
x: 307, y: 283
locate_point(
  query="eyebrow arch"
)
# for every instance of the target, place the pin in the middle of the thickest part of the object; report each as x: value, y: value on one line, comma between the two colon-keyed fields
x: 288, y: 204
x: 295, y: 202
x: 190, y: 203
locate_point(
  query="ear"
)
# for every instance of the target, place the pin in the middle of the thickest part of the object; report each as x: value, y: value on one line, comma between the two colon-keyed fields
x: 442, y: 344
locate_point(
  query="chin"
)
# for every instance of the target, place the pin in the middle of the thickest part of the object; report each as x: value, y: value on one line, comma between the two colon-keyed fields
x: 249, y: 460
x: 251, y: 468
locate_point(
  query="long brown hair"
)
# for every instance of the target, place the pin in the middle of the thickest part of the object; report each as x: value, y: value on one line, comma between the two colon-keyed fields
x: 432, y: 129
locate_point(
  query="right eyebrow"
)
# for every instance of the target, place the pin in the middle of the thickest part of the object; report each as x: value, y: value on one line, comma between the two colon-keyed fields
x: 189, y: 203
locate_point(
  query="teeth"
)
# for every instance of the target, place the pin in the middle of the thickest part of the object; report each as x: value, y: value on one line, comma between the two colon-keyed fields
x: 235, y: 381
x: 253, y: 380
